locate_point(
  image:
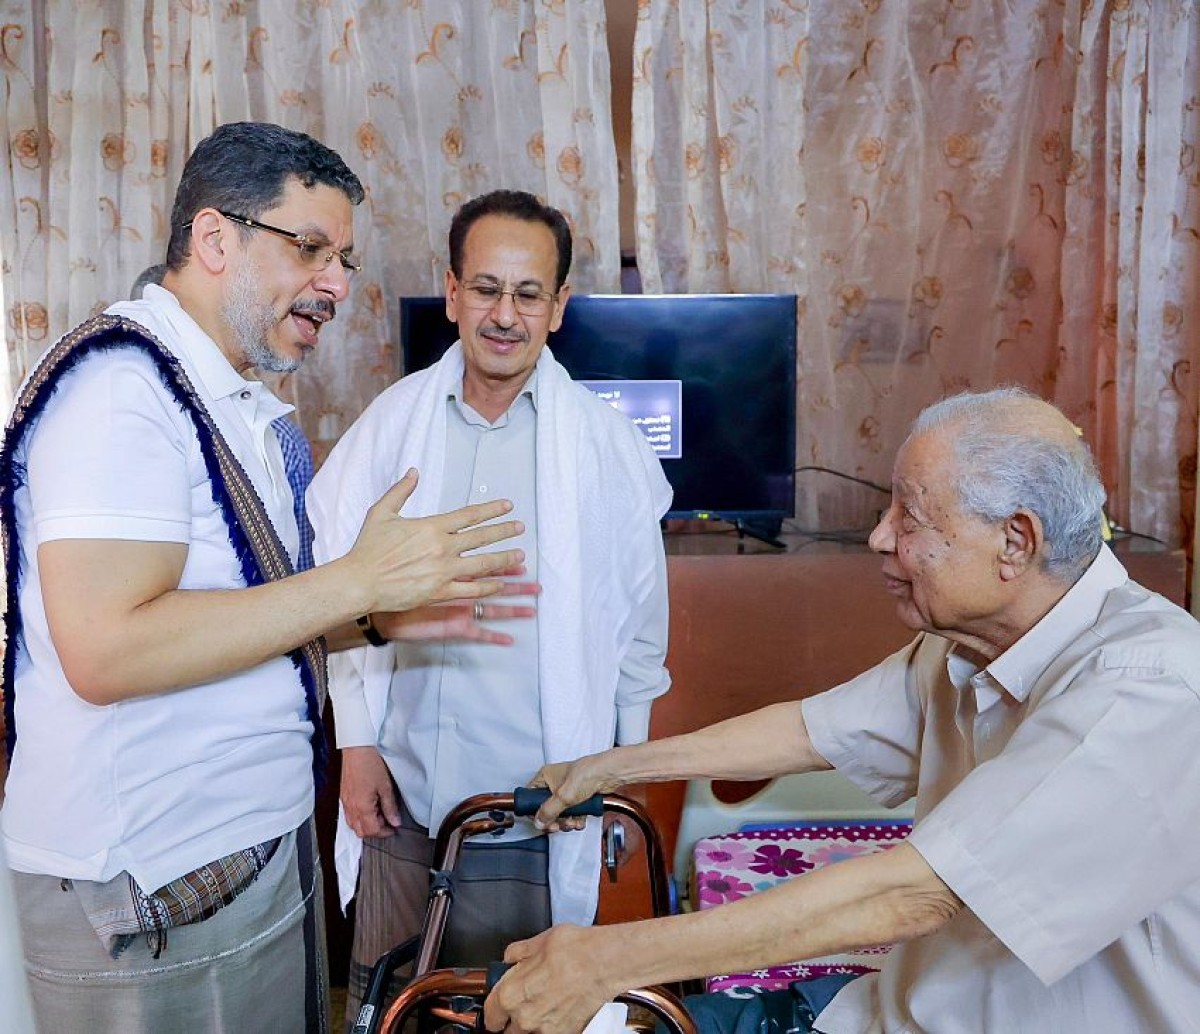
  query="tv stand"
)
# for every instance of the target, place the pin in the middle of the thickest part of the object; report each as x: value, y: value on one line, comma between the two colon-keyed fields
x: 767, y: 530
x: 768, y: 535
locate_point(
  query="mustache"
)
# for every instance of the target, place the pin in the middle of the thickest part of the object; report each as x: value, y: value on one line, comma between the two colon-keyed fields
x: 503, y: 333
x: 319, y: 306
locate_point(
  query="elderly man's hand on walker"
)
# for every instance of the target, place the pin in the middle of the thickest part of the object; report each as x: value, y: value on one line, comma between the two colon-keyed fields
x: 559, y: 981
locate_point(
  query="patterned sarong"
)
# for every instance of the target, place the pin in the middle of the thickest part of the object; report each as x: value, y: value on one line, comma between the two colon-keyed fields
x: 120, y: 910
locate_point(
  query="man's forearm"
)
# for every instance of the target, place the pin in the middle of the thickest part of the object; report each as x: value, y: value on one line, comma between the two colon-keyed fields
x: 345, y: 636
x: 122, y: 627
x: 762, y: 744
x: 187, y: 637
x: 561, y: 977
x: 890, y: 897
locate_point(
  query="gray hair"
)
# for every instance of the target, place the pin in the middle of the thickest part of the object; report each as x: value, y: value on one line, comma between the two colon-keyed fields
x: 1006, y: 461
x: 244, y: 168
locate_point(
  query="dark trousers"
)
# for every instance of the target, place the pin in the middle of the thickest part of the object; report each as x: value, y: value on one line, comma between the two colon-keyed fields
x: 772, y: 1012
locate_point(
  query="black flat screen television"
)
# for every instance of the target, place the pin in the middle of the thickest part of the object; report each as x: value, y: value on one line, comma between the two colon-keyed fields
x: 710, y: 379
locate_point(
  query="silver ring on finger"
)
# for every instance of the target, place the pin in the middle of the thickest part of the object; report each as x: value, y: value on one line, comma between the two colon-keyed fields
x: 478, y: 611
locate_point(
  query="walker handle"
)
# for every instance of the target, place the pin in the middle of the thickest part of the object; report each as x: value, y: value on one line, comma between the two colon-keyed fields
x: 495, y: 970
x: 527, y: 800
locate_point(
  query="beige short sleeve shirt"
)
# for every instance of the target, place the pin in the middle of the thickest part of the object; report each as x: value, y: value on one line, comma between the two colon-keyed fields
x: 1058, y: 794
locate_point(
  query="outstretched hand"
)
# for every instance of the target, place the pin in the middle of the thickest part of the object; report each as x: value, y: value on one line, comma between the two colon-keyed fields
x: 458, y: 622
x: 404, y: 563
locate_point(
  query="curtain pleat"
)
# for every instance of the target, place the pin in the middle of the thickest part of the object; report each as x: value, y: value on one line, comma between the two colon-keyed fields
x: 961, y: 195
x: 430, y: 103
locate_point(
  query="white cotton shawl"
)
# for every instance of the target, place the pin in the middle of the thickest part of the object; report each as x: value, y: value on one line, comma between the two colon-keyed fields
x: 600, y: 494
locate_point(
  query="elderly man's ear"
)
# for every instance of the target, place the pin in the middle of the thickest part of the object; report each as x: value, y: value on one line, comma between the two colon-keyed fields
x: 1022, y: 544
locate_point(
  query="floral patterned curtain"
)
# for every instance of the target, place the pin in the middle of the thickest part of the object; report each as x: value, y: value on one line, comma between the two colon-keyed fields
x: 961, y: 194
x: 430, y: 103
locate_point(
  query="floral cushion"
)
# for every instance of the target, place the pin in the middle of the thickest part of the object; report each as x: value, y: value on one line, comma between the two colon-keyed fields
x: 734, y: 865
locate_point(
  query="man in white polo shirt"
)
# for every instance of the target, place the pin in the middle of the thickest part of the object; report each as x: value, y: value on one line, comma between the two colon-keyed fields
x: 165, y: 670
x: 1046, y: 719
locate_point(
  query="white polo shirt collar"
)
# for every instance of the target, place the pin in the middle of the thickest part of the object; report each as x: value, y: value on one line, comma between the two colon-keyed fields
x: 240, y: 407
x: 207, y: 361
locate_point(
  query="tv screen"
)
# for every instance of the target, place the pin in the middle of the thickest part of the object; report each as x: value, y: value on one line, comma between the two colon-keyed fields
x: 655, y: 407
x: 709, y: 379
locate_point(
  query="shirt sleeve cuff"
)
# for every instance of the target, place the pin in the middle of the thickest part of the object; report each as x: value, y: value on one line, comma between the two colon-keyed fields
x: 633, y: 723
x: 133, y: 527
x: 962, y: 872
x: 351, y: 718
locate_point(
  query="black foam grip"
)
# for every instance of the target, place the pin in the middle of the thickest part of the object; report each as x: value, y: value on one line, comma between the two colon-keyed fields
x: 495, y: 970
x: 527, y: 800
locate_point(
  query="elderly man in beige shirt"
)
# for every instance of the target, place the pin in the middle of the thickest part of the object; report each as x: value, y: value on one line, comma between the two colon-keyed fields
x: 1045, y: 718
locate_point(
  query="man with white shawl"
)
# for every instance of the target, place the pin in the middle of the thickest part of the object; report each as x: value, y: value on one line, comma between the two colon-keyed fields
x: 497, y: 415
